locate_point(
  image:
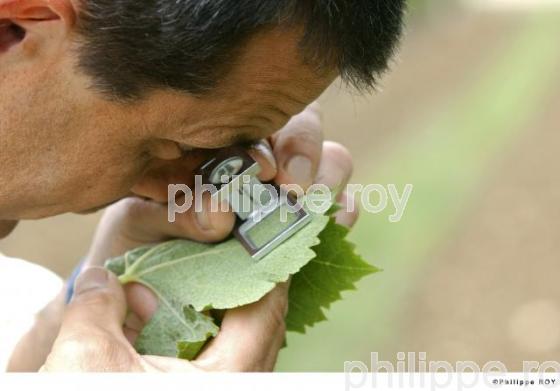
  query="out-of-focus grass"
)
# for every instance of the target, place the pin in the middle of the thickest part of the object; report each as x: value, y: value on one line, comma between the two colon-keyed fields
x: 444, y: 159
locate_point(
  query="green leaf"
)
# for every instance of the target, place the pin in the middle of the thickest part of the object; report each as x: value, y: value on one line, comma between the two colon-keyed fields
x: 185, y: 274
x: 189, y: 278
x: 336, y: 268
x: 176, y: 331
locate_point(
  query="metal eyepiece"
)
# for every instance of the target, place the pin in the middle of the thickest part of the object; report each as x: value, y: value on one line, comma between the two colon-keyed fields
x: 258, y: 206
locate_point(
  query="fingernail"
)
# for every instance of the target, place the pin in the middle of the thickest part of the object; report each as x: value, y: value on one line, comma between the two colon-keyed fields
x: 91, y: 279
x: 264, y: 149
x: 334, y: 178
x: 299, y: 169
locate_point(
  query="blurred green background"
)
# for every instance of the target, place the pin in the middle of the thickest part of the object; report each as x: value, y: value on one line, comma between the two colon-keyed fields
x: 469, y: 115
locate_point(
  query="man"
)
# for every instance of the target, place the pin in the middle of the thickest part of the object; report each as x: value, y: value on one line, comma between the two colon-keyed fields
x: 105, y: 100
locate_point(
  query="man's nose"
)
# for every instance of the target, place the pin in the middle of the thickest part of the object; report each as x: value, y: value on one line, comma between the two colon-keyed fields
x: 160, y: 174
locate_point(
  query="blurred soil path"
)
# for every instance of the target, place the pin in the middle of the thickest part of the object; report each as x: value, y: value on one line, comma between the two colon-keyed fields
x: 493, y: 292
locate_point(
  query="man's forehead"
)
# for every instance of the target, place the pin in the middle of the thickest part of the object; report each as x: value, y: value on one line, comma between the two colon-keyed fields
x: 270, y: 80
x: 271, y: 59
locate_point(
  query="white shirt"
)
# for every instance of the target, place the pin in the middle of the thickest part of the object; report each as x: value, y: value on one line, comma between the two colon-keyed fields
x: 25, y: 289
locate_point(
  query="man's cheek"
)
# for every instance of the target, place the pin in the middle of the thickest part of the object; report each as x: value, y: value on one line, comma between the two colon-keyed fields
x: 99, y: 196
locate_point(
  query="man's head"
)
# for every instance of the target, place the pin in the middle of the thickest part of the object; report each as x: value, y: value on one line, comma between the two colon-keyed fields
x: 96, y: 93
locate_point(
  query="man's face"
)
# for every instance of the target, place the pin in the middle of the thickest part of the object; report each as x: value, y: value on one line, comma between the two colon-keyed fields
x: 67, y: 148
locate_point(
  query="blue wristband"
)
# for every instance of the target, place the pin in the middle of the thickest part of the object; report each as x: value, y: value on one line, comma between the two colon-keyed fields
x: 71, y: 280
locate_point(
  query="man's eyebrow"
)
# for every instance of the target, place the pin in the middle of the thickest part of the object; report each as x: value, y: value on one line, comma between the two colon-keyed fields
x: 231, y: 136
x: 247, y: 136
x: 185, y: 147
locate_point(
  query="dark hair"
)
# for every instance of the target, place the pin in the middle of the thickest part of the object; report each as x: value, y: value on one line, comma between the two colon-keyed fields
x: 129, y: 46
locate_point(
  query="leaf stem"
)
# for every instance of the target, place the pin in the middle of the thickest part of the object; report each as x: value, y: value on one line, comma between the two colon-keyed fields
x: 126, y: 278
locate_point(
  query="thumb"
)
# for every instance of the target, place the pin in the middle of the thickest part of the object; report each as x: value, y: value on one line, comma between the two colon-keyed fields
x: 250, y: 337
x: 98, y: 303
x: 91, y: 336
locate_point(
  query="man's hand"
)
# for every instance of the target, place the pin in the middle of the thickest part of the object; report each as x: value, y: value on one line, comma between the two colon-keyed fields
x: 91, y: 337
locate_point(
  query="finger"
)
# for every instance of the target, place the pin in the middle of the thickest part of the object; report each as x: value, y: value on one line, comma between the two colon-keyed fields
x: 349, y: 212
x: 91, y: 336
x: 297, y: 148
x: 132, y: 327
x: 142, y: 301
x: 142, y: 304
x: 250, y: 337
x: 335, y: 168
x: 205, y: 222
x: 262, y: 153
x: 335, y: 172
x: 98, y: 303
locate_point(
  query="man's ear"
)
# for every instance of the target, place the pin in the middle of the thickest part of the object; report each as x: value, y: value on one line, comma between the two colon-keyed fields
x: 36, y: 18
